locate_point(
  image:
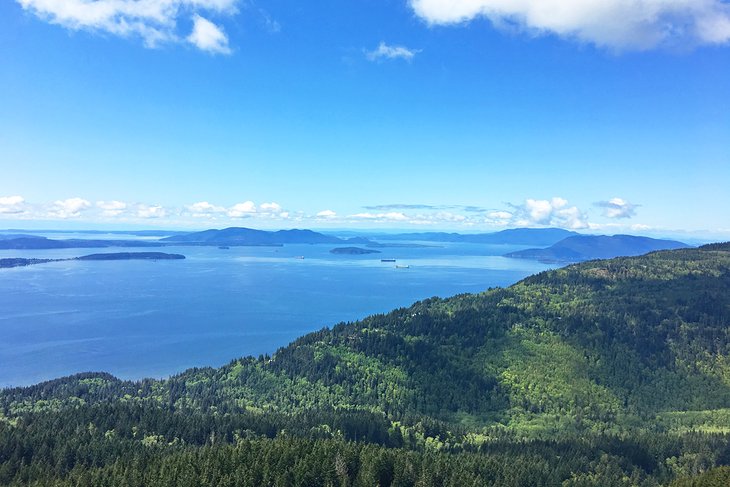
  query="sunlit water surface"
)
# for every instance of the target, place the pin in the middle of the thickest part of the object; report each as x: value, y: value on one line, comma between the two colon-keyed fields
x: 139, y: 319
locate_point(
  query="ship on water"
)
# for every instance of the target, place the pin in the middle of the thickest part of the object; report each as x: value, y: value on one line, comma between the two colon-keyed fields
x: 387, y: 260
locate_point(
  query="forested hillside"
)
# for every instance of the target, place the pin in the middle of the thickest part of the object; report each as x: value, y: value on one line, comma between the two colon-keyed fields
x: 611, y: 372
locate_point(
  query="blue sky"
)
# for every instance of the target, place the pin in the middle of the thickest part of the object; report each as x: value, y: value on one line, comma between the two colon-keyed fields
x: 477, y: 115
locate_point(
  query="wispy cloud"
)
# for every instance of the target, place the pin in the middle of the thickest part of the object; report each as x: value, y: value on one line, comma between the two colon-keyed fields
x: 271, y: 24
x: 401, y: 206
x: 500, y: 215
x: 153, y: 21
x: 398, y: 206
x: 12, y: 205
x: 617, y: 208
x: 617, y: 24
x: 390, y: 216
x: 384, y: 51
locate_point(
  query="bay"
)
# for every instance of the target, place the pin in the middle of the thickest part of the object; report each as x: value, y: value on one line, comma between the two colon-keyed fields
x: 139, y: 319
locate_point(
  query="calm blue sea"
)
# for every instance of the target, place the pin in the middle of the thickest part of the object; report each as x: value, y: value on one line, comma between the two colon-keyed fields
x: 139, y: 319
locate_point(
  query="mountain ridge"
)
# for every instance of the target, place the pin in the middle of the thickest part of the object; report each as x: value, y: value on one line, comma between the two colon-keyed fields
x: 514, y: 236
x: 580, y: 248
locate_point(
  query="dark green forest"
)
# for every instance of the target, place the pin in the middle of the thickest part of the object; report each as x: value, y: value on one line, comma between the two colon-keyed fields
x: 611, y: 372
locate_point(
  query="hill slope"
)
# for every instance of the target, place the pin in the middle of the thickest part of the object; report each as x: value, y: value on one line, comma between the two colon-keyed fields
x: 592, y: 345
x: 588, y: 247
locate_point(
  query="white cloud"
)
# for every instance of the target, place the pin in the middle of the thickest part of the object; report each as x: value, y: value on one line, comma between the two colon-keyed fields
x: 207, y: 36
x: 203, y: 209
x: 242, y: 210
x: 327, y: 214
x: 111, y: 208
x: 154, y: 21
x: 147, y: 211
x: 11, y: 205
x: 619, y: 24
x: 69, y: 208
x: 554, y: 212
x: 617, y: 208
x: 384, y: 51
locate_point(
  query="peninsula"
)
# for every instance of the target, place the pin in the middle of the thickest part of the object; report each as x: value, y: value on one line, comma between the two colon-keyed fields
x: 21, y: 262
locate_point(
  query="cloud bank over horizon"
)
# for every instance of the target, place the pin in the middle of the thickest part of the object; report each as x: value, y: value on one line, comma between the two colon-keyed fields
x: 613, y: 24
x: 554, y: 212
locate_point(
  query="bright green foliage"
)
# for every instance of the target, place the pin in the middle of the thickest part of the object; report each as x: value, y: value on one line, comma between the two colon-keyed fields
x: 716, y: 477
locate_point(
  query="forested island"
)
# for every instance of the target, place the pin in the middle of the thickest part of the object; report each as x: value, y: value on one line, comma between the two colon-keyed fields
x: 611, y: 372
x: 132, y: 256
x: 21, y: 262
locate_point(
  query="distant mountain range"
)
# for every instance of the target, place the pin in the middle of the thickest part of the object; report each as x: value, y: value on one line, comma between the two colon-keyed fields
x: 249, y: 236
x: 551, y: 244
x: 579, y: 248
x: 516, y: 236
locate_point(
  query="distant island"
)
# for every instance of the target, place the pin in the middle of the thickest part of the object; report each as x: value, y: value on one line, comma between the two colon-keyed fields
x: 21, y: 262
x: 248, y: 236
x: 580, y: 248
x: 353, y: 251
x: 131, y: 256
x: 31, y: 242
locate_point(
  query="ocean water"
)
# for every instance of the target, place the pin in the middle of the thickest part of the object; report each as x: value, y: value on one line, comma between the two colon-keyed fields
x: 139, y: 319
